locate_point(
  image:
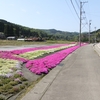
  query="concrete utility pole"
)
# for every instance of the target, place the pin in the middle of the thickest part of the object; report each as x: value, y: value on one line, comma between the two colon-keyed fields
x: 80, y: 23
x: 89, y: 29
x: 81, y: 5
x: 95, y: 34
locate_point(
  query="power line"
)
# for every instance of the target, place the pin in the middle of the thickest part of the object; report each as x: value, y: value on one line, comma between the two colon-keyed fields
x: 82, y: 15
x: 84, y: 18
x: 74, y: 9
x: 70, y: 9
x: 77, y: 4
x: 90, y: 14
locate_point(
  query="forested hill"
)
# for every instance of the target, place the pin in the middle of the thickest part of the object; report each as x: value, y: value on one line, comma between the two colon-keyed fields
x: 63, y: 34
x: 11, y: 29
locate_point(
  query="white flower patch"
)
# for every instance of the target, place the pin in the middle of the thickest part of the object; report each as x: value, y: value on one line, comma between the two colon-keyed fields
x: 7, y: 66
x: 34, y: 54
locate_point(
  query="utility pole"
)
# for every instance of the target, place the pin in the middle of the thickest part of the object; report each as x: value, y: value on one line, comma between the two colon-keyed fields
x: 80, y: 23
x: 89, y: 29
x: 81, y: 5
x: 95, y: 34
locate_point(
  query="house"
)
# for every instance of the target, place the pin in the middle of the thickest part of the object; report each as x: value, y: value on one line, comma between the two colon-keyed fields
x: 20, y: 39
x: 2, y: 35
x: 11, y: 38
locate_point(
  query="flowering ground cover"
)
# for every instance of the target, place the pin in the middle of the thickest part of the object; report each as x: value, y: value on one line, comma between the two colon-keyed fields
x: 43, y: 65
x: 17, y: 52
x: 37, y: 53
x: 27, y: 56
x: 10, y: 86
x: 7, y: 66
x: 12, y: 80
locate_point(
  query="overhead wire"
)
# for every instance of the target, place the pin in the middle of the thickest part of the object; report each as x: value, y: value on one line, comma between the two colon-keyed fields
x: 70, y: 9
x: 74, y: 9
x: 77, y: 4
x: 84, y: 17
x: 90, y: 14
x: 84, y: 14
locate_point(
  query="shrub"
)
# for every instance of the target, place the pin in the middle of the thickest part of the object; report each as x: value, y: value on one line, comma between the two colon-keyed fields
x: 7, y: 87
x: 5, y: 81
x: 1, y: 90
x: 17, y: 75
x: 22, y: 87
x: 26, y: 83
x: 14, y: 90
x: 2, y: 98
x: 1, y: 84
x: 23, y: 79
x: 13, y: 83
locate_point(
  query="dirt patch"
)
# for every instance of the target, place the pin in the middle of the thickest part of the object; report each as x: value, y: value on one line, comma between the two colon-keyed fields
x: 29, y: 75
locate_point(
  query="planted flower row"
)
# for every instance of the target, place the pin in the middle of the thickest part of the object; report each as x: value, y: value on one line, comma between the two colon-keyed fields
x: 17, y: 52
x: 7, y: 66
x: 37, y: 66
x: 9, y: 61
x: 14, y: 54
x: 37, y: 53
x: 43, y: 65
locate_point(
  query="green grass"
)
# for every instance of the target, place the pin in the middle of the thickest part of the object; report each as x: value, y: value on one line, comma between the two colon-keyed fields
x: 19, y: 43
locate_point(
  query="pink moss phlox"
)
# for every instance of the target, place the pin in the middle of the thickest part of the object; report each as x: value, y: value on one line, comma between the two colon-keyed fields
x: 12, y: 54
x: 17, y: 52
x: 43, y: 65
x: 9, y: 55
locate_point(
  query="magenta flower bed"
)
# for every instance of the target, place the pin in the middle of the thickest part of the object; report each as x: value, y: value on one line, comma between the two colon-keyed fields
x: 43, y: 65
x: 12, y: 54
x: 9, y: 55
x: 37, y: 48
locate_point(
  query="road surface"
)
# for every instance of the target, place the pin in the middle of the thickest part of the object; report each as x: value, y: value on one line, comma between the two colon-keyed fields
x: 78, y: 78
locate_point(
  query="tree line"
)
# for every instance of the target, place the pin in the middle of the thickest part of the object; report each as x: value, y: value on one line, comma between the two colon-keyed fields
x: 11, y: 29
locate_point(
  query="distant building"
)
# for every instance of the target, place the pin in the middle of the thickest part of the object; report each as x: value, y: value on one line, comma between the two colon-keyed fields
x: 20, y: 39
x: 2, y: 35
x: 11, y: 38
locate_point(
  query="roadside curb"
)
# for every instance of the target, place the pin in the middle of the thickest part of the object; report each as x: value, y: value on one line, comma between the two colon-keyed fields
x: 96, y: 47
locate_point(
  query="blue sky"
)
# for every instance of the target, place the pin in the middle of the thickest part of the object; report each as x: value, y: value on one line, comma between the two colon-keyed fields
x: 50, y: 14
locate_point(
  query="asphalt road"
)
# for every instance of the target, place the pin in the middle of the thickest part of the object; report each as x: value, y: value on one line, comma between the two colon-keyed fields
x: 79, y: 79
x: 76, y: 78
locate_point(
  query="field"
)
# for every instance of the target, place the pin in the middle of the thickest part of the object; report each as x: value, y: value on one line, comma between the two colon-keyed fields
x: 19, y: 43
x: 23, y: 68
